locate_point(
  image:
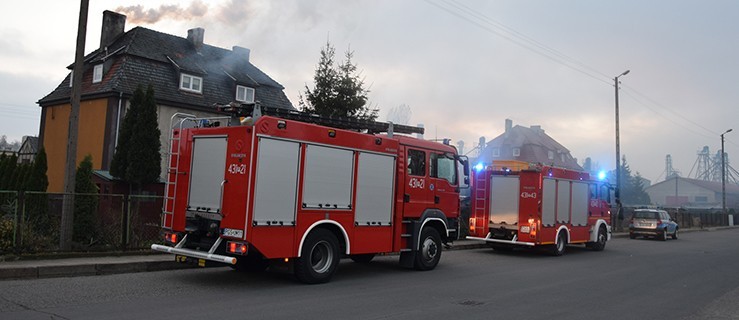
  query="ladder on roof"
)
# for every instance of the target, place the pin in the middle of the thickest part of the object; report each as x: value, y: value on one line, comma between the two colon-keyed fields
x: 254, y: 110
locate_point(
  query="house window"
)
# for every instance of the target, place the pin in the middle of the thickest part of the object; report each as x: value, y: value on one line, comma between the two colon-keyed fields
x: 562, y: 156
x: 244, y: 94
x: 550, y: 155
x: 97, y: 73
x: 71, y: 78
x: 191, y: 83
x: 496, y: 152
x: 516, y: 152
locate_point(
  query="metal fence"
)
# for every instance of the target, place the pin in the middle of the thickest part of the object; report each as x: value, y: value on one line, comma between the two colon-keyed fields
x: 30, y: 222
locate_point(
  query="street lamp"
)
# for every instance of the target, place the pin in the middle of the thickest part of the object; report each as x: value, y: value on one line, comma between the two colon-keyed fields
x: 723, y: 172
x: 618, y: 152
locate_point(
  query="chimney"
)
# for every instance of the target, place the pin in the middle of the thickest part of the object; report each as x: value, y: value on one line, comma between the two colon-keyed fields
x: 195, y: 36
x: 242, y: 52
x: 113, y: 25
x: 537, y: 129
x: 508, y: 125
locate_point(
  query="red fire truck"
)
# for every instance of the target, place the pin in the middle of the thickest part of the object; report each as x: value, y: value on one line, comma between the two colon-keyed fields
x: 297, y: 192
x: 515, y: 204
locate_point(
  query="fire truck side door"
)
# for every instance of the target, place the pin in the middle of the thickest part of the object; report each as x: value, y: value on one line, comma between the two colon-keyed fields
x: 417, y: 195
x: 444, y: 183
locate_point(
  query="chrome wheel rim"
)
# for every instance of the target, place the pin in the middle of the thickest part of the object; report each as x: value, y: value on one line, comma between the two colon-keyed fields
x: 321, y: 257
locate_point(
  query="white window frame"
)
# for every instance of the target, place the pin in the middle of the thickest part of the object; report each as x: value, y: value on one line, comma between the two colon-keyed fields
x: 71, y: 78
x: 496, y: 152
x: 191, y: 83
x: 97, y: 73
x: 550, y: 155
x: 245, y: 90
x: 516, y: 152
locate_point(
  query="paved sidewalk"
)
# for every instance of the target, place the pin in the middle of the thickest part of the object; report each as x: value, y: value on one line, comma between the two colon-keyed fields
x: 87, y: 266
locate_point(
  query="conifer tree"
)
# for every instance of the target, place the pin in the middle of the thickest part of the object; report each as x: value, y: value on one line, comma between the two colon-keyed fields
x: 338, y: 90
x: 85, y: 204
x: 144, y: 161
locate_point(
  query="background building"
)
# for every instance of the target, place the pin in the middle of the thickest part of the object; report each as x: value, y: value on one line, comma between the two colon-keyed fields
x: 187, y: 76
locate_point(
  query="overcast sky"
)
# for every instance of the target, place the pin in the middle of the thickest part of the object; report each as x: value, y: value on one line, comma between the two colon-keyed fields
x: 462, y: 67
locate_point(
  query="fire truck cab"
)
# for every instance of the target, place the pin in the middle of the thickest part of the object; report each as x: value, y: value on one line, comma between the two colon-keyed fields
x: 296, y: 191
x: 517, y: 204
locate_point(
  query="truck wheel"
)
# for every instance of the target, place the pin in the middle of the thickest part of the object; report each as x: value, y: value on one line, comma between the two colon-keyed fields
x: 362, y: 258
x: 320, y: 257
x: 600, y: 242
x: 558, y: 248
x: 429, y: 252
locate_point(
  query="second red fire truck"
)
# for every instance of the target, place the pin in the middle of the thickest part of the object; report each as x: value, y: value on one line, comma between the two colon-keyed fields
x: 296, y: 191
x: 516, y: 204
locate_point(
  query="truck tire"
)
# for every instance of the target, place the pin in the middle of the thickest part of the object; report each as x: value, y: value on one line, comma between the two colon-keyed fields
x: 429, y: 251
x: 320, y: 257
x: 362, y: 258
x: 600, y: 242
x: 558, y: 248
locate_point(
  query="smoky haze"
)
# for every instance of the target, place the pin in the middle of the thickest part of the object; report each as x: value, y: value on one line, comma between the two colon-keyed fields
x: 139, y: 15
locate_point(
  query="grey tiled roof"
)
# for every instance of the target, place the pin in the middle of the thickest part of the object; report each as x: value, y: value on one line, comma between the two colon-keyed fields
x: 142, y: 56
x: 534, y: 147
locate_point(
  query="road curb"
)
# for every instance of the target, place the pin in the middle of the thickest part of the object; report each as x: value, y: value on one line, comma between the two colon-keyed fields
x: 40, y: 272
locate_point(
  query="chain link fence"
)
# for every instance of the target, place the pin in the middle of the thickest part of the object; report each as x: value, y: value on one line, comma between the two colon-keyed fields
x: 30, y: 222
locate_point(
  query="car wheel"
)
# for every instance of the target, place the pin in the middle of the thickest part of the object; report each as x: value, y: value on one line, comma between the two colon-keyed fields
x: 320, y: 257
x: 558, y: 248
x: 674, y: 235
x: 429, y: 253
x: 663, y: 235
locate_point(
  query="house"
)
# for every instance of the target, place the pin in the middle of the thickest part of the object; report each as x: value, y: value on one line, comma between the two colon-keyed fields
x: 187, y: 76
x: 529, y: 145
x: 28, y: 150
x: 692, y: 193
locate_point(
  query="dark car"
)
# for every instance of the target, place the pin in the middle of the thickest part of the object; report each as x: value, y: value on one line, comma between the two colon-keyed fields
x: 652, y: 223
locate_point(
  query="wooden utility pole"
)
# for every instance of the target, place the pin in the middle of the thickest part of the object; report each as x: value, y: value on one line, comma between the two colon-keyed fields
x: 67, y: 227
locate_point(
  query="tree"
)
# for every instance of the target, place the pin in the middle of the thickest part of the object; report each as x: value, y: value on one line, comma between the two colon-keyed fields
x: 339, y: 90
x: 85, y: 204
x: 37, y: 205
x: 137, y: 159
x: 632, y: 188
x: 119, y: 164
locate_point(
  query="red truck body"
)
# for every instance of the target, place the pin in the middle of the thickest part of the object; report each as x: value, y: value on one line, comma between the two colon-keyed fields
x: 298, y: 195
x: 514, y: 204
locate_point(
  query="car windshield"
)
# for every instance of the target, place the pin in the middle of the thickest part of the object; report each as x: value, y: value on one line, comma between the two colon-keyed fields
x: 645, y: 215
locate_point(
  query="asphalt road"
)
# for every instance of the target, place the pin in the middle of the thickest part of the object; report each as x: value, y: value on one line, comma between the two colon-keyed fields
x: 695, y: 277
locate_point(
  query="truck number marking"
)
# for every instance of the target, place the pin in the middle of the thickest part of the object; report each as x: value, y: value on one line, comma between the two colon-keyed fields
x: 527, y: 195
x: 417, y: 183
x: 237, y: 168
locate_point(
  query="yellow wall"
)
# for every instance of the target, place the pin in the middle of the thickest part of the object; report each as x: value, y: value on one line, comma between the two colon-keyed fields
x: 90, y: 138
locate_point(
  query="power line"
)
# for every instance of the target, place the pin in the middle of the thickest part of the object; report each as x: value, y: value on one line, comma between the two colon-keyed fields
x: 486, y: 23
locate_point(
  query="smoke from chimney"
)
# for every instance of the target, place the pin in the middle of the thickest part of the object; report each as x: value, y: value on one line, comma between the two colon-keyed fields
x: 139, y: 15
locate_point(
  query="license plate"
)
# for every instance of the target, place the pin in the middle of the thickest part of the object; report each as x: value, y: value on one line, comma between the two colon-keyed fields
x: 525, y: 229
x: 233, y: 233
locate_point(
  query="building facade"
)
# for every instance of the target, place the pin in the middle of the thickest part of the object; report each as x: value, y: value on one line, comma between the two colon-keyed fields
x: 186, y: 74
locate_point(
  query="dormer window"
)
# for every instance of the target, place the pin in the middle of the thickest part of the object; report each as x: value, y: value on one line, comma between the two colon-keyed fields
x: 71, y: 78
x: 97, y: 73
x: 244, y: 94
x: 191, y: 83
